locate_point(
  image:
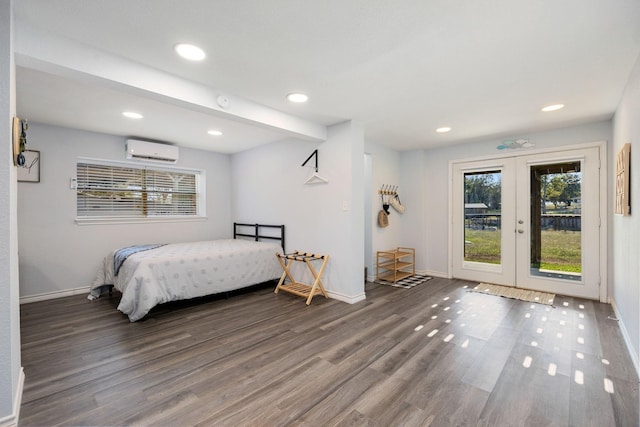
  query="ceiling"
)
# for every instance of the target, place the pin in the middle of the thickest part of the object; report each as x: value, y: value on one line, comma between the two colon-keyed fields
x: 401, y: 69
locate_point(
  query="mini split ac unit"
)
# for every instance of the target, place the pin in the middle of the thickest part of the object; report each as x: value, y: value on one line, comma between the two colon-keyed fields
x: 151, y: 151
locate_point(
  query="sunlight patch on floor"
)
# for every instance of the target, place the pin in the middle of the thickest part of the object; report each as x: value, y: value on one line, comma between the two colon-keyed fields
x: 608, y: 386
x: 566, y: 311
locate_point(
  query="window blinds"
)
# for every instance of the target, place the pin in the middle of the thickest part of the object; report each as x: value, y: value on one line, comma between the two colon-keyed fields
x: 131, y: 191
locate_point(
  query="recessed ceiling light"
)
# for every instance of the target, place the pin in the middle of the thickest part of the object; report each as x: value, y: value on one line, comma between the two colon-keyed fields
x: 214, y: 132
x: 132, y: 115
x: 553, y: 107
x: 297, y: 97
x: 190, y: 52
x: 443, y: 129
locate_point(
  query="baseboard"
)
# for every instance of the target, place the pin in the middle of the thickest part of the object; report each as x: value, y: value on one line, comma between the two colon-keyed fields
x: 437, y: 274
x: 351, y: 299
x: 12, y: 420
x: 627, y: 338
x: 346, y: 298
x: 53, y: 295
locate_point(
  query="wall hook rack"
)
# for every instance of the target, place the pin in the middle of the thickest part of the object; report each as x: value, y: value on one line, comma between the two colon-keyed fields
x: 387, y: 193
x: 388, y: 190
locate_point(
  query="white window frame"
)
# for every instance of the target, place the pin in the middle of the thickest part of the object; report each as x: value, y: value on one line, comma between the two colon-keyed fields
x: 200, y: 176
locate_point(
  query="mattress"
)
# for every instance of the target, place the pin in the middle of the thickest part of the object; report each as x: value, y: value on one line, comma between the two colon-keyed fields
x: 178, y: 271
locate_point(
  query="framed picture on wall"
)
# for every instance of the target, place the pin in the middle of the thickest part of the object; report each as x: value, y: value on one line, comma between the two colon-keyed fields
x: 30, y: 171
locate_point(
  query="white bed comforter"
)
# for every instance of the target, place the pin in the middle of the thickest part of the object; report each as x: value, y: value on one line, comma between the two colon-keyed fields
x: 180, y: 271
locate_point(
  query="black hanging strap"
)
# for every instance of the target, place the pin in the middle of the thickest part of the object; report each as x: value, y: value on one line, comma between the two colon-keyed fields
x: 315, y: 153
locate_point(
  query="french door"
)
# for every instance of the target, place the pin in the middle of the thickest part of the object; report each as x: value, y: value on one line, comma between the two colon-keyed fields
x: 530, y: 221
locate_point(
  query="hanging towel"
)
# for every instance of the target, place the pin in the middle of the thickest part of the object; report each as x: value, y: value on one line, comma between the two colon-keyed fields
x: 395, y: 204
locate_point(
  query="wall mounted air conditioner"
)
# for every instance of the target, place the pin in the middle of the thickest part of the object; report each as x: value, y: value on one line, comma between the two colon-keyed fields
x: 151, y: 151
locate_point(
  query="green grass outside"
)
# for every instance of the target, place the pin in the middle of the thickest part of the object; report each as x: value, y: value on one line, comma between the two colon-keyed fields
x: 561, y: 250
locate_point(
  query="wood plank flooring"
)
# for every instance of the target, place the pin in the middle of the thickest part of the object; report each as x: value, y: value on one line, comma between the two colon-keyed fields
x: 434, y: 355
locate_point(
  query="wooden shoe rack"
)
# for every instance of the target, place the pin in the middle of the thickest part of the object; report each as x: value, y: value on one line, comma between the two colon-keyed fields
x: 396, y: 264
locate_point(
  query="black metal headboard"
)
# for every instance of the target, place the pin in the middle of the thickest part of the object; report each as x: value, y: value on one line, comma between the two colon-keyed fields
x: 257, y: 232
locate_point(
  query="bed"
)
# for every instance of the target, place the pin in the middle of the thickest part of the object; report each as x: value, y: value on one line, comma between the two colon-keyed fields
x: 148, y: 275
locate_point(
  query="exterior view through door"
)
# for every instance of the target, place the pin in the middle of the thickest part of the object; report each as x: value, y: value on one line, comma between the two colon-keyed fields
x: 530, y: 221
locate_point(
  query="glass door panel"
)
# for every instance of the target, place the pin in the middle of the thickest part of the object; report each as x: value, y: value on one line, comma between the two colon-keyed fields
x: 483, y: 250
x: 482, y: 214
x: 558, y: 222
x: 556, y: 226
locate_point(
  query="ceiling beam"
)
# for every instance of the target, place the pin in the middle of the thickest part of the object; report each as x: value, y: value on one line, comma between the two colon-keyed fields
x: 62, y: 57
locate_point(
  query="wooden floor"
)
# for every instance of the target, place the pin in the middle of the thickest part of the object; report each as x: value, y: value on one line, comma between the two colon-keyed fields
x: 434, y: 355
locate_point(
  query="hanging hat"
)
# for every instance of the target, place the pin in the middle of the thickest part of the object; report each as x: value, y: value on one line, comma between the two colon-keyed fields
x: 383, y: 219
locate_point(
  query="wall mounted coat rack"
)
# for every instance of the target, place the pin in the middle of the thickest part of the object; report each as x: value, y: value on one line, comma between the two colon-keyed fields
x: 386, y: 193
x: 390, y: 197
x: 388, y: 190
x: 315, y: 178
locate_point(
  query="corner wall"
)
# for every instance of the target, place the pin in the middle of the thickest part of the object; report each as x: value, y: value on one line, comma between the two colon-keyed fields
x: 626, y: 229
x: 11, y: 375
x: 269, y: 188
x: 385, y: 170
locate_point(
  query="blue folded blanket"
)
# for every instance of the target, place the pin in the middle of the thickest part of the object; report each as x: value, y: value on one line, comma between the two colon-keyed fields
x: 121, y: 255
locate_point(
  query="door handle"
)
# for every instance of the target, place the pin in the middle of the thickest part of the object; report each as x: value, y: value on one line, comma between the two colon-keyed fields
x: 520, y: 230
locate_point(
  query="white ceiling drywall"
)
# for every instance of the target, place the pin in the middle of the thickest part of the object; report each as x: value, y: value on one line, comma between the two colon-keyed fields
x: 401, y: 68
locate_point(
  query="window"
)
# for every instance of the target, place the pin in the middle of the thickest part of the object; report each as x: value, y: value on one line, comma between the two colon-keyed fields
x: 127, y: 191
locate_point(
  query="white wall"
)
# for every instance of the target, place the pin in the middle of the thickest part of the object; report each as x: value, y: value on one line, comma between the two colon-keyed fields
x: 368, y: 214
x: 417, y: 188
x: 385, y: 170
x: 11, y: 378
x: 626, y: 229
x: 268, y: 187
x: 56, y: 254
x: 425, y: 178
